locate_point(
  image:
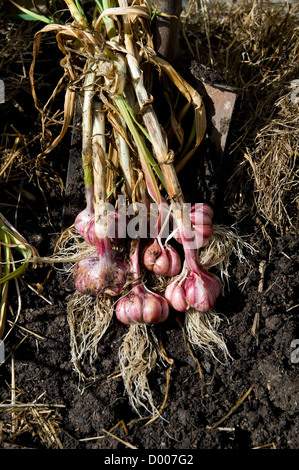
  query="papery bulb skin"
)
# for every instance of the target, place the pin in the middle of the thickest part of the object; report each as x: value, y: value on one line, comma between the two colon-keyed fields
x: 89, y: 233
x: 201, y: 213
x: 129, y: 309
x: 116, y: 226
x: 176, y: 297
x: 83, y: 219
x: 87, y: 228
x: 201, y: 216
x: 163, y: 315
x: 203, y: 234
x: 161, y: 261
x: 198, y: 234
x: 97, y: 274
x: 161, y: 265
x: 152, y: 310
x: 175, y: 263
x: 150, y: 254
x: 141, y: 307
x: 81, y: 272
x: 197, y: 289
x: 86, y: 215
x: 202, y: 290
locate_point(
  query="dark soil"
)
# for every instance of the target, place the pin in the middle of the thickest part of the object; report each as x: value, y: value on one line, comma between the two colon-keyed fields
x: 266, y: 362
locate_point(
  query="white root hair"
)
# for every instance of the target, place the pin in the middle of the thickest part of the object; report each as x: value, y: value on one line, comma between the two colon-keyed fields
x: 88, y: 318
x: 201, y: 331
x: 138, y: 354
x: 224, y: 243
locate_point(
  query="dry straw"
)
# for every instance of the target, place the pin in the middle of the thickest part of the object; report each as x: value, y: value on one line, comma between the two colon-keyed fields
x: 254, y: 45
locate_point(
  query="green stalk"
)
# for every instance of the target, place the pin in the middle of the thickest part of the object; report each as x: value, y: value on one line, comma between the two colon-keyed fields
x: 108, y: 22
x: 150, y: 157
x: 77, y: 13
x: 159, y: 144
x: 116, y: 186
x: 143, y: 151
x: 8, y: 238
x: 143, y: 130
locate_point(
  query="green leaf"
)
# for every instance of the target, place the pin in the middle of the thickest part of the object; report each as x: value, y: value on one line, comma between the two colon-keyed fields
x: 17, y: 272
x: 116, y: 186
x: 151, y: 159
x: 144, y: 154
x: 80, y: 9
x: 22, y: 16
x: 99, y: 5
x: 7, y: 237
x: 32, y: 16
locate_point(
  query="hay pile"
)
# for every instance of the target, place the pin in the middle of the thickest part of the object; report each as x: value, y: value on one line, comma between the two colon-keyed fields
x: 255, y: 46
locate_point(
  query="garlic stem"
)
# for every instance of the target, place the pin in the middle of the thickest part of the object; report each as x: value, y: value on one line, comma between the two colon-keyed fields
x: 99, y: 169
x: 76, y: 14
x: 163, y: 155
x: 124, y: 159
x: 87, y: 113
x: 149, y: 116
x: 142, y: 149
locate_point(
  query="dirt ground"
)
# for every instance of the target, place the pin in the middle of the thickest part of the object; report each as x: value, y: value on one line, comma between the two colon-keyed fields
x: 248, y: 402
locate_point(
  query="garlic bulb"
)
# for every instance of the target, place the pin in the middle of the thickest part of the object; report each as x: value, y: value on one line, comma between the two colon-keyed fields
x: 140, y: 305
x: 197, y: 290
x: 164, y: 261
x: 86, y: 215
x: 197, y: 235
x: 102, y: 272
